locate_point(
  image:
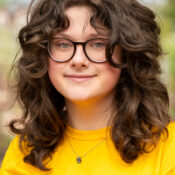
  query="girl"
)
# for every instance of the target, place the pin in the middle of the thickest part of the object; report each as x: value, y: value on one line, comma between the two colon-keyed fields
x: 88, y: 83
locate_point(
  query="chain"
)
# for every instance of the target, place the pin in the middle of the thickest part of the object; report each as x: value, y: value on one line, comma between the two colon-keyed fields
x: 80, y: 157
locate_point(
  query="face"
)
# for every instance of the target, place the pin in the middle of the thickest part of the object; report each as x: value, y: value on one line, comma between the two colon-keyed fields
x: 79, y: 79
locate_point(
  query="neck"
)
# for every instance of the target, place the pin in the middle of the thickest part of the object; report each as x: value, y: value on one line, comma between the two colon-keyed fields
x: 89, y: 115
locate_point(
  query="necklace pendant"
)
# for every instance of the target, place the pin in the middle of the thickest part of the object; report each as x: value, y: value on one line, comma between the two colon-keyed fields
x: 78, y: 159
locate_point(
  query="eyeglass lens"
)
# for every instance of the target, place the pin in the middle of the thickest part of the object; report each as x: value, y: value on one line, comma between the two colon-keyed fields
x: 63, y: 49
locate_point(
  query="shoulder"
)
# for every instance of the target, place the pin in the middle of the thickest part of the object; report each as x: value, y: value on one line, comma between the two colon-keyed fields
x: 171, y: 128
x: 13, y: 160
x: 168, y: 150
x: 170, y: 141
x: 14, y: 148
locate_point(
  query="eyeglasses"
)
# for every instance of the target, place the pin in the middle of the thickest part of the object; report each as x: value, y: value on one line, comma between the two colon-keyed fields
x: 62, y: 50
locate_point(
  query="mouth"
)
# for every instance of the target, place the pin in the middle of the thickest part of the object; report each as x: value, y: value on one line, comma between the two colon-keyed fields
x: 80, y: 78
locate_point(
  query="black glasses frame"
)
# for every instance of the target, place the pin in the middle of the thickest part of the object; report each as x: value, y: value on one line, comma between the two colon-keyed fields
x: 75, y: 47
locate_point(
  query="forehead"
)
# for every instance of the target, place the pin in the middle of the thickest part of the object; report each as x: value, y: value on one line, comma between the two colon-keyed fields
x: 79, y: 19
x: 78, y: 14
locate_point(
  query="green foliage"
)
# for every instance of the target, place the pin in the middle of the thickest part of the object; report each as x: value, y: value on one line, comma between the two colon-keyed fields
x: 4, y: 3
x: 8, y: 46
x: 169, y: 11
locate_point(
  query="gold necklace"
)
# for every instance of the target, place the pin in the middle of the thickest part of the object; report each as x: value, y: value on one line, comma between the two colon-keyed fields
x: 79, y: 158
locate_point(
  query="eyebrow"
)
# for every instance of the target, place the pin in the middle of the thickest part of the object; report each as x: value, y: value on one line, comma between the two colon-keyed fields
x: 91, y: 35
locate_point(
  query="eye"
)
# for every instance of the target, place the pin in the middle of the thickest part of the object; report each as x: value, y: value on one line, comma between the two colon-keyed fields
x: 63, y: 45
x: 98, y: 44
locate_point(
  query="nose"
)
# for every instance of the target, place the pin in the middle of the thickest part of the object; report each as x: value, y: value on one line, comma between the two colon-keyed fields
x: 79, y: 59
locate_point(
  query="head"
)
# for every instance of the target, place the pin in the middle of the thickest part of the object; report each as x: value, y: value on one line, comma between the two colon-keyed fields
x: 131, y: 52
x: 88, y: 61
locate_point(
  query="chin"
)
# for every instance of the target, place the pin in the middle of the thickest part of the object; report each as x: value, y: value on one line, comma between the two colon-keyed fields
x: 79, y: 98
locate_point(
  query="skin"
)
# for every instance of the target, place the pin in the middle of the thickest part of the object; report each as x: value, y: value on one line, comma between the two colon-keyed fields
x: 90, y: 103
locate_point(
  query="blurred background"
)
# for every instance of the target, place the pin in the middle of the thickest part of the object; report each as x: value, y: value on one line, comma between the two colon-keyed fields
x: 13, y: 17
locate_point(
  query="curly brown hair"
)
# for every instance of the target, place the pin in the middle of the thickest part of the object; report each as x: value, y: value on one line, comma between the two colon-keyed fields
x: 141, y: 99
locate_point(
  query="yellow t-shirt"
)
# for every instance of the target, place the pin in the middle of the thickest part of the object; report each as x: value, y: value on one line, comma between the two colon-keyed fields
x: 99, y: 157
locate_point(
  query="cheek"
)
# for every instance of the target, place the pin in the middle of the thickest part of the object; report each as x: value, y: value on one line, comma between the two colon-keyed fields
x: 51, y: 70
x: 112, y: 72
x: 111, y: 75
x: 54, y: 72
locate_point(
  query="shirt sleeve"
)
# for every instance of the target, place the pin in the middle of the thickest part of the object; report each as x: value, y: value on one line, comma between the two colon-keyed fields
x: 13, y: 163
x: 168, y: 153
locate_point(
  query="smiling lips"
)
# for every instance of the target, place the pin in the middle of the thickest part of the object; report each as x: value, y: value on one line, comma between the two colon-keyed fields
x: 80, y: 78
